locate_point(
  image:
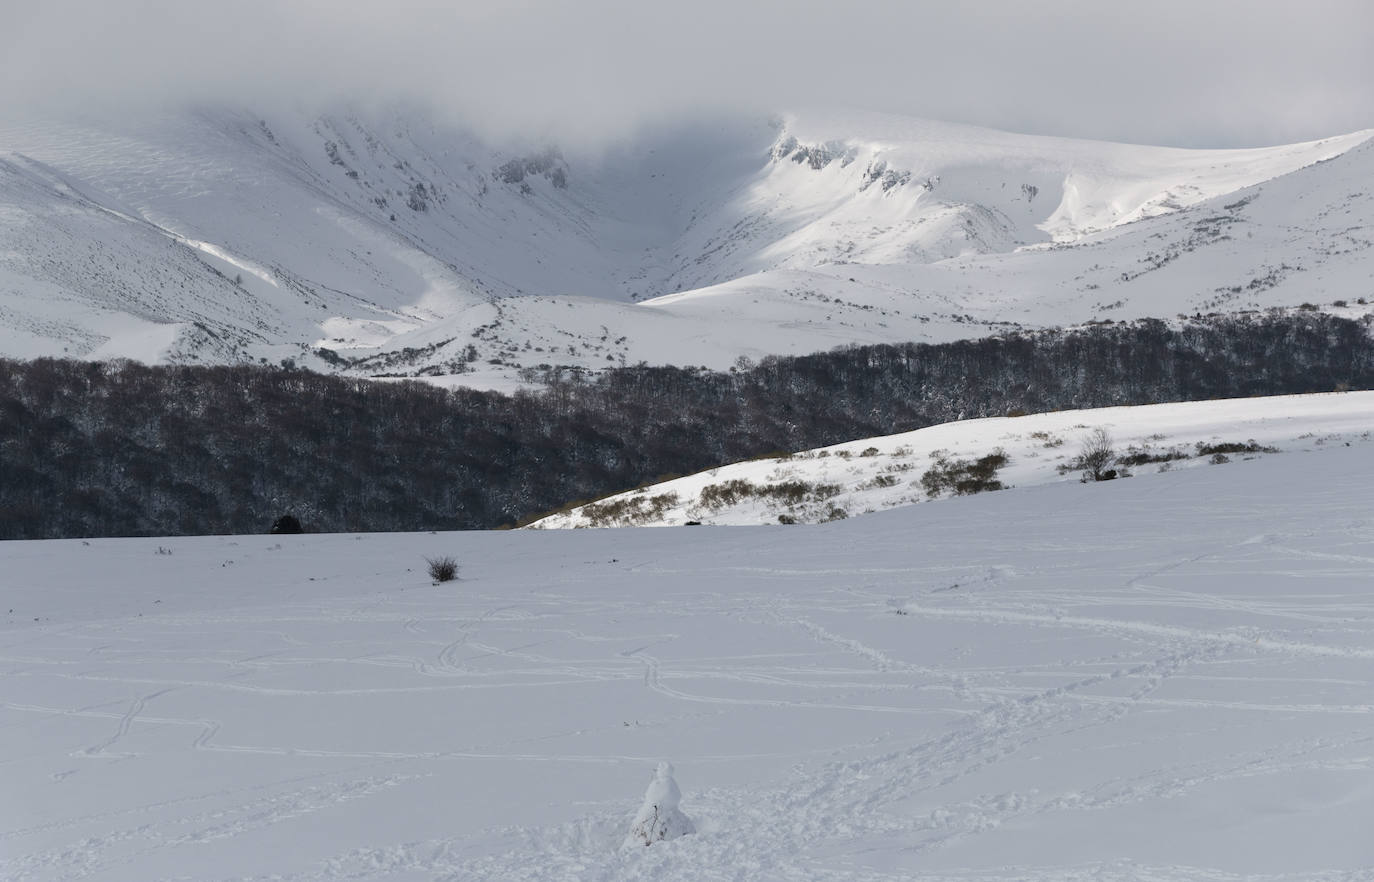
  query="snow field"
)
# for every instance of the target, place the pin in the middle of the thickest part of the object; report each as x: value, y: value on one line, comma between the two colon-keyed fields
x: 1164, y: 679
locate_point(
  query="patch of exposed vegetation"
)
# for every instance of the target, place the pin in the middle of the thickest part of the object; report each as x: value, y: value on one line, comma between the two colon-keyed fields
x: 1145, y: 454
x: 789, y: 493
x: 1213, y: 449
x: 628, y: 511
x: 963, y: 477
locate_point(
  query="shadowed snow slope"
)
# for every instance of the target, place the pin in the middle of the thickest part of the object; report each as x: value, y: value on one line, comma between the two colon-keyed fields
x: 877, y: 473
x: 398, y: 245
x: 1164, y: 679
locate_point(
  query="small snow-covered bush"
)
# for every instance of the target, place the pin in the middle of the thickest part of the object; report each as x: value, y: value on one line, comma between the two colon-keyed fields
x: 659, y: 818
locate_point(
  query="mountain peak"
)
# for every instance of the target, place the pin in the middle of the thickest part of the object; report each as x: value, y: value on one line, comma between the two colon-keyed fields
x: 389, y: 242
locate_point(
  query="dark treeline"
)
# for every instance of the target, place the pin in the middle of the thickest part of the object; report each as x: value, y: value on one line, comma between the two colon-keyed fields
x: 100, y: 449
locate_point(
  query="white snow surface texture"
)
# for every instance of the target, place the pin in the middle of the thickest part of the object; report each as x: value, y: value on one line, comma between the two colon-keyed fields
x: 403, y: 246
x: 1151, y: 679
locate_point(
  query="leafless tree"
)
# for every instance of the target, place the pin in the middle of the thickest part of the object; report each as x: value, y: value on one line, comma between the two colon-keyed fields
x: 1097, y: 455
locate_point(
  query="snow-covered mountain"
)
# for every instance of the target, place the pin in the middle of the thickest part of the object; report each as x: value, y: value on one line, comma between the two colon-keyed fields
x: 873, y: 474
x: 390, y: 243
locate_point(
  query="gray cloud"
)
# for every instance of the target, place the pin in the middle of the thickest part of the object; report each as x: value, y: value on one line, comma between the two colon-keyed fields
x: 1199, y: 73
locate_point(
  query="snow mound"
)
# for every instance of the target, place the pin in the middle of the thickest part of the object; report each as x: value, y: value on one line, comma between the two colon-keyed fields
x: 659, y: 819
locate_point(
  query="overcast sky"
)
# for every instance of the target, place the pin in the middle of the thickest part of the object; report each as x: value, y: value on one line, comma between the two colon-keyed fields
x: 1194, y: 73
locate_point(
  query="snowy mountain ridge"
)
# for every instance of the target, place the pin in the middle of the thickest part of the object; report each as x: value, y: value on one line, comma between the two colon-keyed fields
x: 393, y: 244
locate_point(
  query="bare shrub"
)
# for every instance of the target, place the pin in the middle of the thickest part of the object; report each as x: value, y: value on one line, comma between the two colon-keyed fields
x: 787, y: 492
x: 964, y: 477
x: 790, y: 493
x: 1139, y: 456
x: 1205, y: 449
x: 442, y: 569
x: 718, y: 496
x: 628, y: 511
x: 1095, y: 457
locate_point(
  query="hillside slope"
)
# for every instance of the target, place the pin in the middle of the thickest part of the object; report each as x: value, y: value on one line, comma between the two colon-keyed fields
x: 872, y: 474
x: 389, y: 243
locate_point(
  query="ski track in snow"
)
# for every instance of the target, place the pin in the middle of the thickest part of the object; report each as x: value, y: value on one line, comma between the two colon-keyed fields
x: 1168, y: 680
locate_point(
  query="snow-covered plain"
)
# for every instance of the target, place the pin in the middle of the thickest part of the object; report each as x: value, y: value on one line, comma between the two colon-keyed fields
x: 1163, y: 679
x: 400, y: 245
x: 872, y: 474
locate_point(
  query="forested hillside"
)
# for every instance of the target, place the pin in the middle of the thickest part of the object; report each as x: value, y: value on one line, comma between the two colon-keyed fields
x: 99, y: 449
